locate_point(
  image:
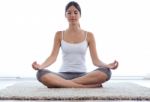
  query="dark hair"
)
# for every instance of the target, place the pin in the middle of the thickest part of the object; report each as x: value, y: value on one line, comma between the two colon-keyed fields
x: 75, y: 4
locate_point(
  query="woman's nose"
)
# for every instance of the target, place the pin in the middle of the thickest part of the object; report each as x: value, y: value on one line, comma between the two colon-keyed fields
x: 72, y: 15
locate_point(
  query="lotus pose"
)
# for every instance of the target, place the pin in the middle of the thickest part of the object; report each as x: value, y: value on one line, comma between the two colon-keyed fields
x: 74, y: 42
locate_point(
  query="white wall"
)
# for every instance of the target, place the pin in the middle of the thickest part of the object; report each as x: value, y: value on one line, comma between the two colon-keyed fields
x: 121, y: 29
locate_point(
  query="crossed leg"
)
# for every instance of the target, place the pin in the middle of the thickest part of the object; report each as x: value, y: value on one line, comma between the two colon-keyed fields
x: 94, y: 77
x: 90, y: 80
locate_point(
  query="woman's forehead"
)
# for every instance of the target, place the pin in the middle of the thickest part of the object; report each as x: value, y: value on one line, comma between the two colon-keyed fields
x: 72, y: 8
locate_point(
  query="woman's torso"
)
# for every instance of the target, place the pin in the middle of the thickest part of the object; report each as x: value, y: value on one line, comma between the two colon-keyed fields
x: 73, y: 51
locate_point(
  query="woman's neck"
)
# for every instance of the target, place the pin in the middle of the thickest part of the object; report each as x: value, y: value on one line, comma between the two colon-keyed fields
x: 74, y: 28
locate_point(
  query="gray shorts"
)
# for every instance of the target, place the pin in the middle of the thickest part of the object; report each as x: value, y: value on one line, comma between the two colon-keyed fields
x: 72, y: 75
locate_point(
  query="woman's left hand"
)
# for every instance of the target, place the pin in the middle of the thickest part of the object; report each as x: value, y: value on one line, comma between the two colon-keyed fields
x: 113, y: 65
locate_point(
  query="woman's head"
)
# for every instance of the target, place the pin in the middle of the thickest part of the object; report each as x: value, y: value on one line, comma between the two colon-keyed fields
x: 75, y: 4
x: 73, y: 12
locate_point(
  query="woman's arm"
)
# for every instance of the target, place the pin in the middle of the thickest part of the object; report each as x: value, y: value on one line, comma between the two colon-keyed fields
x: 53, y: 56
x: 93, y: 52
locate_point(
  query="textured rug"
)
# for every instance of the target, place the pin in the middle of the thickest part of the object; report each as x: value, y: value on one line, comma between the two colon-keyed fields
x: 110, y: 91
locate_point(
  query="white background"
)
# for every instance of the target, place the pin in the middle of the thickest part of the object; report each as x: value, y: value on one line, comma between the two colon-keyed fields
x: 121, y: 29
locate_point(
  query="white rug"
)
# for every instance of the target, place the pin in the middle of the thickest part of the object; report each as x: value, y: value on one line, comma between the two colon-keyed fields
x: 110, y: 91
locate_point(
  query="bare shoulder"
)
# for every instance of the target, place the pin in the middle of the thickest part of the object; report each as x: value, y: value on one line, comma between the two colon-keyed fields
x: 90, y: 36
x: 58, y: 35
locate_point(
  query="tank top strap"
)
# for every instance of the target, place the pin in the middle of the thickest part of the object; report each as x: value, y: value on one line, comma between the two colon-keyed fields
x: 62, y: 35
x: 85, y: 35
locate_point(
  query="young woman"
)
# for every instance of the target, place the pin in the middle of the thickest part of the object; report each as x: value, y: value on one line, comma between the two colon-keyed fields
x: 74, y: 42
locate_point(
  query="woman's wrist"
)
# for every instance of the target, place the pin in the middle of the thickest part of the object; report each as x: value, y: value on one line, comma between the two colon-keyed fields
x: 103, y: 65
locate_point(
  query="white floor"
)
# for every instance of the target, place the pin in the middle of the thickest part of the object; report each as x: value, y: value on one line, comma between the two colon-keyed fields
x: 4, y: 82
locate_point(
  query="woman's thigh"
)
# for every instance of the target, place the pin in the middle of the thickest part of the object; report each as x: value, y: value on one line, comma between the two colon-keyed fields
x: 64, y: 75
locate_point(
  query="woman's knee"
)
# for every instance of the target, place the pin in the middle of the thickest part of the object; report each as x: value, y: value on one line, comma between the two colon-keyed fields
x: 106, y: 71
x: 41, y: 73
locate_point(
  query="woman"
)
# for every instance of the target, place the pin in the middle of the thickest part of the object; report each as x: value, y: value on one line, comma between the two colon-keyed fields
x: 74, y: 42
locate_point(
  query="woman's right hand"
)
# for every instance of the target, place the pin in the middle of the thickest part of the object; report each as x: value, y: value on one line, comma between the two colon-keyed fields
x: 113, y: 65
x: 35, y: 65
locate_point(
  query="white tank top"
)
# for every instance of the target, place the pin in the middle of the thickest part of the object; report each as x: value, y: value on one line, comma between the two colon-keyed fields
x: 73, y: 56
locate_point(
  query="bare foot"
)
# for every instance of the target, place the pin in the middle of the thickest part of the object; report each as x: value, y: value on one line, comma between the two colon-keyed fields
x: 94, y: 86
x: 100, y: 86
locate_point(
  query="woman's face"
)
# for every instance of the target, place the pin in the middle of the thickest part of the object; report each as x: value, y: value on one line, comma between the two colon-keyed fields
x: 72, y: 15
